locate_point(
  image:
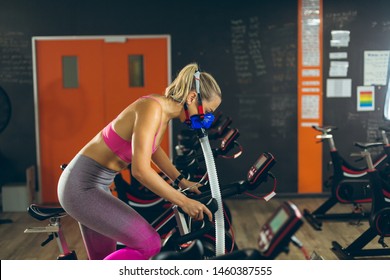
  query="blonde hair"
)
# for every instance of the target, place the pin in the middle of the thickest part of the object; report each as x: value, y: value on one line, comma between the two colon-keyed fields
x: 184, y: 83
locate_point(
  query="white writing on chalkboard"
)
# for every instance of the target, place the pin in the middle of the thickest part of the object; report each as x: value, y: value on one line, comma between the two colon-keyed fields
x: 385, y: 25
x: 279, y: 115
x: 254, y: 45
x: 283, y: 108
x: 247, y: 50
x: 15, y: 58
x: 341, y: 19
x: 264, y: 56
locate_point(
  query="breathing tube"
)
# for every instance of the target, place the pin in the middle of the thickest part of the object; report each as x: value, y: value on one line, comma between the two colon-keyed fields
x: 215, y: 191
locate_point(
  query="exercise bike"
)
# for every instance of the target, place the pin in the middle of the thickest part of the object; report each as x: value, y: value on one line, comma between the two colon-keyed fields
x: 172, y: 238
x: 273, y: 239
x: 379, y: 219
x: 175, y: 228
x: 349, y: 185
x: 148, y: 204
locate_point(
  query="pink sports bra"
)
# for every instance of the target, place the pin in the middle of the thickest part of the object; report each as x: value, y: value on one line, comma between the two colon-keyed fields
x: 120, y: 146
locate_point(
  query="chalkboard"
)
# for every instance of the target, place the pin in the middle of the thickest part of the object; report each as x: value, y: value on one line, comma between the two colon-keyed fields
x: 251, y: 49
x: 17, y: 141
x: 267, y: 105
x: 369, y: 27
x: 15, y: 58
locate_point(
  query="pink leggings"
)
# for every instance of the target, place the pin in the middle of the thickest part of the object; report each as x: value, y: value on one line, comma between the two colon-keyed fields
x: 104, y: 220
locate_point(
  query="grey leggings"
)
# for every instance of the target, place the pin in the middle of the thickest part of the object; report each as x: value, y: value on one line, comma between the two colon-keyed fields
x: 83, y: 191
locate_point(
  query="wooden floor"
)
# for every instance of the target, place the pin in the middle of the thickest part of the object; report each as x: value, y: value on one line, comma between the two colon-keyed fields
x: 247, y: 214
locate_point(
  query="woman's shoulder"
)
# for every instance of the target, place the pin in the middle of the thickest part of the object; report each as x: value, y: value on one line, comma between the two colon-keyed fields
x: 149, y: 104
x: 152, y: 100
x: 153, y: 96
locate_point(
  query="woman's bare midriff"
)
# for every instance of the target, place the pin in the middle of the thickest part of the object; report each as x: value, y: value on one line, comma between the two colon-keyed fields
x: 98, y: 151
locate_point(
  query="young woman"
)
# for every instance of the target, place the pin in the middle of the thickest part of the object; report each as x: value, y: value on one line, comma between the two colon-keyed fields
x: 133, y: 137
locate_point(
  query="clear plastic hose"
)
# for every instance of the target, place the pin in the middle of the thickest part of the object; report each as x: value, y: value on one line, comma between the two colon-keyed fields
x: 216, y: 193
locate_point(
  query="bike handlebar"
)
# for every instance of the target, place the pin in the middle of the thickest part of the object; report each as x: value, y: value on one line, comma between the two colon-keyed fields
x: 226, y: 191
x: 212, y: 205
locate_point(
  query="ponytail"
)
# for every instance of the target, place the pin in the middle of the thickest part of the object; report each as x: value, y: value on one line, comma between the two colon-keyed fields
x: 184, y: 83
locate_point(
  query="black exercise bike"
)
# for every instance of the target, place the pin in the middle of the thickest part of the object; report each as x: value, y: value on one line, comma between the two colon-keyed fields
x: 348, y: 184
x: 273, y: 239
x: 177, y: 230
x: 379, y: 219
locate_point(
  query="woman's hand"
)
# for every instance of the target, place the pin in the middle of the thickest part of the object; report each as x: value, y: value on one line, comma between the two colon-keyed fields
x: 196, y: 210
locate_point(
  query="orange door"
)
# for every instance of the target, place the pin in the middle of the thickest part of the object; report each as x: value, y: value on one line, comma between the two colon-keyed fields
x: 81, y: 85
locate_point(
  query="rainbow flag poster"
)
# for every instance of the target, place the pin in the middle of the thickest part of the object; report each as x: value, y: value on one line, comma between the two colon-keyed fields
x: 366, y: 98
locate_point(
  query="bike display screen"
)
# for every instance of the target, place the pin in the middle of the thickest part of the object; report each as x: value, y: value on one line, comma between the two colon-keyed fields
x: 276, y: 233
x: 279, y: 220
x: 229, y: 138
x: 259, y: 163
x: 259, y: 169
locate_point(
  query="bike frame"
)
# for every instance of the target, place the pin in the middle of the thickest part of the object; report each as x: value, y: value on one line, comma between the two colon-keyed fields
x: 379, y: 222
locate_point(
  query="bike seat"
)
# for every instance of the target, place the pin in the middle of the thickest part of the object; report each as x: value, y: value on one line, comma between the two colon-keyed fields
x: 327, y: 128
x: 194, y: 251
x: 41, y: 212
x: 368, y: 145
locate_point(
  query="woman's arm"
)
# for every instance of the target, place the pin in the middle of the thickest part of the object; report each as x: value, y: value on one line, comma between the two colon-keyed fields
x: 147, y: 120
x: 161, y: 159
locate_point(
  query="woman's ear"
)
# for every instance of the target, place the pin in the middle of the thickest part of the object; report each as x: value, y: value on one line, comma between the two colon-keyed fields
x: 191, y: 97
